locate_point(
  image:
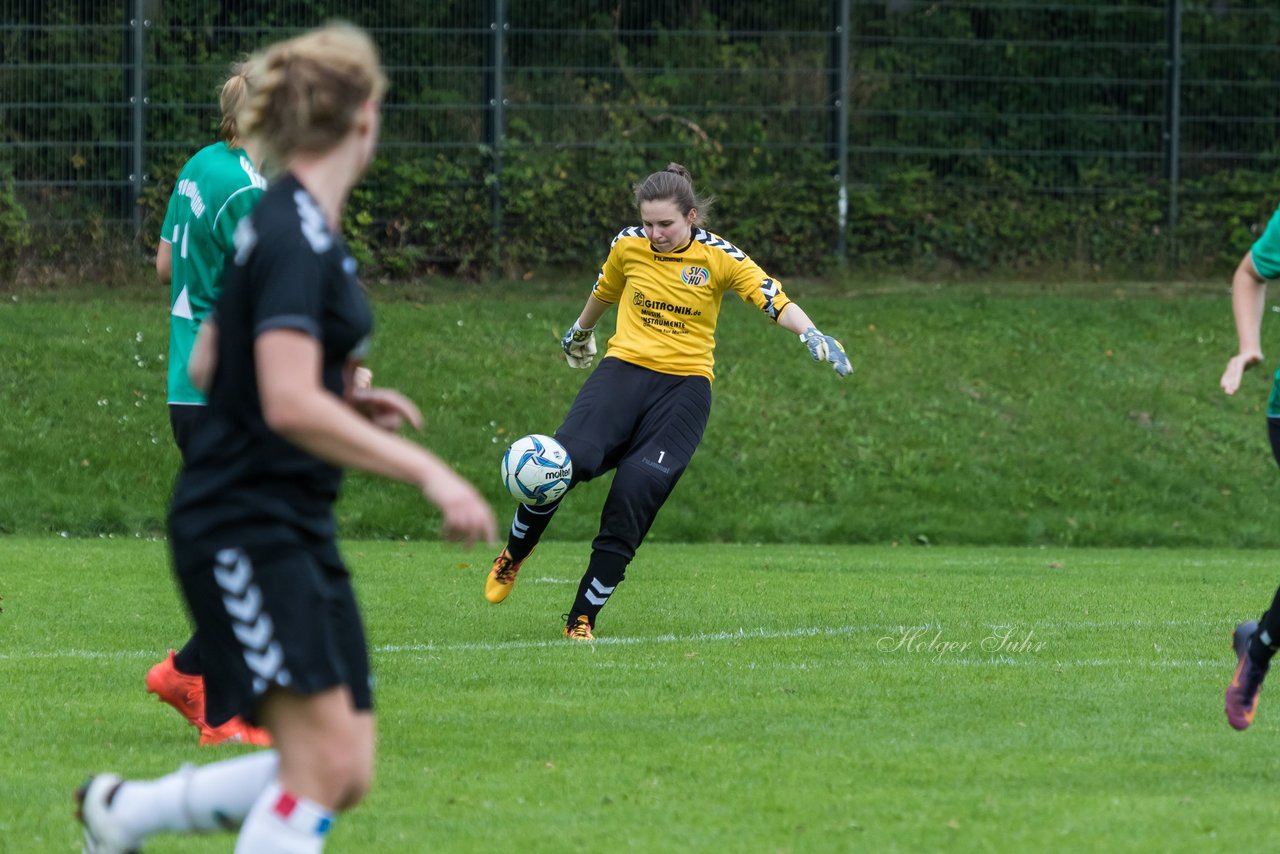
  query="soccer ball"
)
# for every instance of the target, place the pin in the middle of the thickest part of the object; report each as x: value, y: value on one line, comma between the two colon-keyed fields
x: 536, y: 470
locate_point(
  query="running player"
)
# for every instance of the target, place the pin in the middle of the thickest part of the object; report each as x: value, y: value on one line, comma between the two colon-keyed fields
x: 251, y: 526
x: 644, y: 408
x: 1254, y: 643
x: 215, y: 190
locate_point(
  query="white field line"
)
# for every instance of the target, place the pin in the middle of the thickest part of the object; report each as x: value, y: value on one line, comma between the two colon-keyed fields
x: 891, y: 656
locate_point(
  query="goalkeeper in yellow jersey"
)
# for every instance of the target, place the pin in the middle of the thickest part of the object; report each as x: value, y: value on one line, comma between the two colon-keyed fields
x: 642, y: 411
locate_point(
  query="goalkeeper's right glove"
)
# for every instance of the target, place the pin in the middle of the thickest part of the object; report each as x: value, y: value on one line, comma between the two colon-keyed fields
x: 579, y: 346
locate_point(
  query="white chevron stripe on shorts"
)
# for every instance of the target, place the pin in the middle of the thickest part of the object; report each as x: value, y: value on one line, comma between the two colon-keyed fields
x: 252, y: 626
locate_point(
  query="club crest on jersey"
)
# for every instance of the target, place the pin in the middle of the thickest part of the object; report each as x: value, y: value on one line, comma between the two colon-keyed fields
x: 695, y: 276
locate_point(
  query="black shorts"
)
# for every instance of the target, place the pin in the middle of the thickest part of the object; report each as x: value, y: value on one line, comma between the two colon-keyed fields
x: 183, y: 418
x: 279, y: 615
x: 647, y: 426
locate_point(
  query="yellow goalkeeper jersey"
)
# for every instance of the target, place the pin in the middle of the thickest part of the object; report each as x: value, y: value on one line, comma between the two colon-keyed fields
x: 668, y: 303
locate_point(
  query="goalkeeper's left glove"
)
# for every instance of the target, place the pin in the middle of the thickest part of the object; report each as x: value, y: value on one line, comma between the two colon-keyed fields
x: 579, y: 346
x: 824, y: 348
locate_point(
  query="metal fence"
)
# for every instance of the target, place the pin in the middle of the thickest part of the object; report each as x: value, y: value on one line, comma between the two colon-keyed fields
x: 1148, y: 103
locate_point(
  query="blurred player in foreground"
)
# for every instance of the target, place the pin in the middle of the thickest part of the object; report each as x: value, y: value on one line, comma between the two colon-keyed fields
x: 251, y: 526
x: 643, y: 410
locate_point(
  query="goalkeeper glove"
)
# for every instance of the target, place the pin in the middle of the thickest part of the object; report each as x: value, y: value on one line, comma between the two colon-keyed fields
x: 579, y: 346
x: 824, y: 348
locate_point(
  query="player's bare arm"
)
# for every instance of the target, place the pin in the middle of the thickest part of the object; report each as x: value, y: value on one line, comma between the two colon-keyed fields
x: 204, y: 356
x: 592, y: 312
x: 164, y: 262
x: 299, y: 408
x: 1248, y: 297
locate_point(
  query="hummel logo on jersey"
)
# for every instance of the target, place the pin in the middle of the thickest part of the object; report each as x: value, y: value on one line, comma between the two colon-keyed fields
x: 313, y: 227
x: 630, y: 231
x: 720, y: 243
x: 769, y: 288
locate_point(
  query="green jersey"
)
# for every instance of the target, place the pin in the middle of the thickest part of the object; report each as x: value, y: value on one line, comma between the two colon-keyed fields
x: 215, y: 190
x: 1266, y: 250
x: 1266, y: 261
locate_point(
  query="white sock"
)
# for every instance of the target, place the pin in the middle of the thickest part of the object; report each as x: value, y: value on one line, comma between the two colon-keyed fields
x: 280, y: 823
x: 200, y: 799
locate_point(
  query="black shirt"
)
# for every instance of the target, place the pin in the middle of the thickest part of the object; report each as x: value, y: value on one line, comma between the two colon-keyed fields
x: 289, y: 272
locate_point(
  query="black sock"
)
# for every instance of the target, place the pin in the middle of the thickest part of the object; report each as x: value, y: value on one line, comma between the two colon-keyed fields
x: 187, y: 659
x: 604, y: 573
x: 1263, y: 644
x: 527, y: 528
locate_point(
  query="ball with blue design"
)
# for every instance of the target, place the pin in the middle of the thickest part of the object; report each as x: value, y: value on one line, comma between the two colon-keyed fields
x: 536, y: 470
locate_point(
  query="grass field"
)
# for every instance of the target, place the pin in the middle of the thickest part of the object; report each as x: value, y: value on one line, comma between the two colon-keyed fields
x: 1088, y: 415
x: 740, y: 699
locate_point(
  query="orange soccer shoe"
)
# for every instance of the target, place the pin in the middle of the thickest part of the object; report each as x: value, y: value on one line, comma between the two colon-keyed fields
x: 235, y: 731
x: 181, y: 690
x: 502, y: 577
x: 579, y: 628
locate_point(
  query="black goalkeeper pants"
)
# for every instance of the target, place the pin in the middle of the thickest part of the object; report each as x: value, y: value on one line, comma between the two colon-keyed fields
x: 646, y: 425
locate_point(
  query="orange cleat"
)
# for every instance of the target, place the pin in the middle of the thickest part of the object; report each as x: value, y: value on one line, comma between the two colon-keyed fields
x: 502, y: 577
x: 235, y: 731
x: 579, y: 628
x: 181, y: 690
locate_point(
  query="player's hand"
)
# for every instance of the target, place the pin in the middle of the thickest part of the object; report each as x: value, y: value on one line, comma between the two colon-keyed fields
x: 386, y: 408
x: 354, y: 376
x: 579, y: 346
x: 1234, y: 373
x: 824, y: 348
x: 467, y: 516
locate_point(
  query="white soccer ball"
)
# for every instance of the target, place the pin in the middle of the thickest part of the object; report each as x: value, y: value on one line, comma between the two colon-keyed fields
x: 536, y: 470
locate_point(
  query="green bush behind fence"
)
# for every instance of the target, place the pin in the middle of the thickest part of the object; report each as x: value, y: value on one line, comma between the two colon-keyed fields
x: 981, y: 137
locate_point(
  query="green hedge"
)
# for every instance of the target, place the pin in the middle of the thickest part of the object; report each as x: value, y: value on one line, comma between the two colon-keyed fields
x: 417, y: 216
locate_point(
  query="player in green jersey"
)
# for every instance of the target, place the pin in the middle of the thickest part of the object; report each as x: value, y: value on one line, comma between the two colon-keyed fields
x: 1254, y: 643
x: 215, y: 190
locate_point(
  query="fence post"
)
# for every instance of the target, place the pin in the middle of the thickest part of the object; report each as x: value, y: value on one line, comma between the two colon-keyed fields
x: 137, y: 103
x: 1172, y: 117
x: 498, y: 26
x: 839, y: 85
